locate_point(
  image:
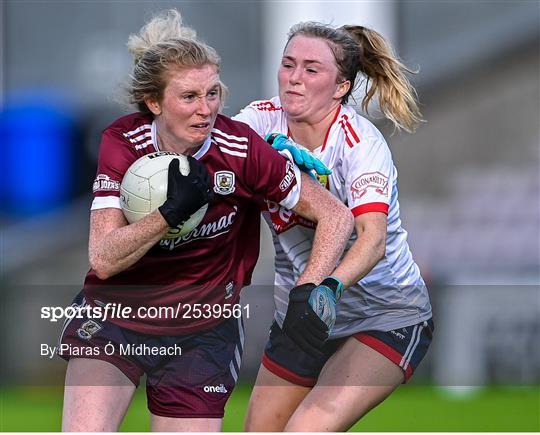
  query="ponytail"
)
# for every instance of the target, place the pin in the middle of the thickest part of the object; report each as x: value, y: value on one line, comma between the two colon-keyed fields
x: 387, y: 78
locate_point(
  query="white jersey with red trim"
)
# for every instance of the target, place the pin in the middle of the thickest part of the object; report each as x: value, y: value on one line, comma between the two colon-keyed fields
x: 393, y: 295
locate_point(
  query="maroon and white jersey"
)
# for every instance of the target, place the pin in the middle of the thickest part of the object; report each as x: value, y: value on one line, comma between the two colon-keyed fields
x: 215, y: 260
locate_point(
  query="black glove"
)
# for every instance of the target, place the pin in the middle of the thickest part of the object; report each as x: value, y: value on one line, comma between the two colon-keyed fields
x: 185, y: 193
x: 302, y: 325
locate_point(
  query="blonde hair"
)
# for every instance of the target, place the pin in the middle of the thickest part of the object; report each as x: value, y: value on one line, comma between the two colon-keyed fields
x: 162, y: 44
x: 361, y: 50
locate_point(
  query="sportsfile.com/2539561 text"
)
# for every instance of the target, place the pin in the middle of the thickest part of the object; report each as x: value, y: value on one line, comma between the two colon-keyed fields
x: 114, y: 310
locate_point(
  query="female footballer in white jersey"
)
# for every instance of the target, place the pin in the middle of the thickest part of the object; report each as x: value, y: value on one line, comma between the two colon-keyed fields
x: 383, y: 325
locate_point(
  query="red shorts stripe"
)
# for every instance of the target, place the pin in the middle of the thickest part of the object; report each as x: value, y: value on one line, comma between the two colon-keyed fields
x: 385, y: 350
x: 380, y: 207
x: 283, y: 373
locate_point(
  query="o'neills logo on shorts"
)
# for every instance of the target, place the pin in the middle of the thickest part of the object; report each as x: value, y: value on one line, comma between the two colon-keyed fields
x: 215, y: 389
x: 370, y: 180
x: 104, y: 182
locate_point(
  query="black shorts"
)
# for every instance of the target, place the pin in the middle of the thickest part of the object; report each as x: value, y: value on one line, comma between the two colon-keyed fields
x: 187, y: 376
x: 405, y: 347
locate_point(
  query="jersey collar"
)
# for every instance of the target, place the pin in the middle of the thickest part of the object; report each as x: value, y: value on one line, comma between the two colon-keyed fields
x: 321, y: 148
x: 338, y: 111
x: 153, y: 132
x: 204, y: 148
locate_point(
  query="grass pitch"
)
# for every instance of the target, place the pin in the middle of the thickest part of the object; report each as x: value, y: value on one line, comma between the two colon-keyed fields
x: 410, y: 408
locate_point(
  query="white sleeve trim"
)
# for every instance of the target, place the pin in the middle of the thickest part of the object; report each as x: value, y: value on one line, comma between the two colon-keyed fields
x: 100, y: 202
x: 287, y: 154
x: 290, y: 201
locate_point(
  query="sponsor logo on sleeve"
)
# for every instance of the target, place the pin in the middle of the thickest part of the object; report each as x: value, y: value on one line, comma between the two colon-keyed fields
x: 289, y: 177
x: 104, y: 183
x: 224, y: 182
x: 369, y: 180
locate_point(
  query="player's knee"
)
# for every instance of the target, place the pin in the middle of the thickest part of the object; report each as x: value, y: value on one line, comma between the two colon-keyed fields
x: 76, y: 424
x: 296, y: 424
x: 260, y: 419
x: 80, y: 416
x: 249, y: 423
x: 254, y: 418
x: 264, y: 423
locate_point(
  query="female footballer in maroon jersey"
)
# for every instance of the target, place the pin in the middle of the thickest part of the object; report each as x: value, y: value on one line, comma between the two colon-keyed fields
x: 191, y: 357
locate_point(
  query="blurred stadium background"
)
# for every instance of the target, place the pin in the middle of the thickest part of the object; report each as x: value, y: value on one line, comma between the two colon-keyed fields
x: 469, y: 189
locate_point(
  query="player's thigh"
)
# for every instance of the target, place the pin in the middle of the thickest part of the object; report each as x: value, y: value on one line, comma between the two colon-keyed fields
x: 171, y: 424
x: 286, y: 376
x: 353, y: 381
x: 96, y: 396
x: 273, y: 400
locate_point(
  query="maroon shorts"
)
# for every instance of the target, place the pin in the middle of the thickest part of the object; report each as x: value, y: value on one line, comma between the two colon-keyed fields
x: 405, y: 347
x: 188, y: 376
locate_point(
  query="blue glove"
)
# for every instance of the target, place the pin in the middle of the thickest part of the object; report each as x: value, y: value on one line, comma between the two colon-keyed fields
x: 323, y: 300
x: 303, y: 159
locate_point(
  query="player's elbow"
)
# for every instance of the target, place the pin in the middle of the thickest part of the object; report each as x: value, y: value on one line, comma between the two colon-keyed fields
x: 101, y: 269
x: 102, y: 273
x: 342, y: 216
x: 337, y: 215
x: 381, y: 251
x: 348, y: 219
x: 379, y: 246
